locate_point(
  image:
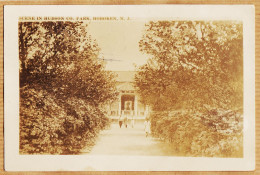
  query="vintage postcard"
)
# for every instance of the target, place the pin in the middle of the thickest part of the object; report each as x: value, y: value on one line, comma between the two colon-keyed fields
x: 129, y: 88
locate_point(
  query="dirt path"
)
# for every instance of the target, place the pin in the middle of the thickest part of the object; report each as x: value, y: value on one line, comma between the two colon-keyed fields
x: 128, y: 141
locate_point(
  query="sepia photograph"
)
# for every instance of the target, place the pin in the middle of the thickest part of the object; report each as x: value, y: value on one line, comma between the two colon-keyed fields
x: 185, y: 100
x: 131, y: 86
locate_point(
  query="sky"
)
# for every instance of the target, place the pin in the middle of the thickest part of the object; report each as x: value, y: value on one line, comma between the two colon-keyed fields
x: 118, y: 40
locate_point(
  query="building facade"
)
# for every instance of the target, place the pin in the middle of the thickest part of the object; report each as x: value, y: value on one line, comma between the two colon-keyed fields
x: 128, y: 102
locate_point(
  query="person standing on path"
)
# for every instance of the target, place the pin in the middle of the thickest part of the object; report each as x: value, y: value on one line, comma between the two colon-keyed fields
x: 125, y: 120
x: 147, y: 126
x: 120, y: 121
x: 132, y: 122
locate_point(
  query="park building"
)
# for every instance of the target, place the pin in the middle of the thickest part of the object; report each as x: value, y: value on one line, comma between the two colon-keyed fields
x: 128, y: 101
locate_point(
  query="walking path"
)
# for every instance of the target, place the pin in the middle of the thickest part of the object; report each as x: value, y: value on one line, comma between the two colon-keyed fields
x: 128, y: 141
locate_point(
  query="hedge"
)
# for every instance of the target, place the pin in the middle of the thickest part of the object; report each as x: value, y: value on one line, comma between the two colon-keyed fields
x: 216, y: 133
x: 52, y: 126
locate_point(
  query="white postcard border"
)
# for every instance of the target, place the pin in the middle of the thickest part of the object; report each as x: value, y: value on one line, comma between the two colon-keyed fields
x: 16, y: 162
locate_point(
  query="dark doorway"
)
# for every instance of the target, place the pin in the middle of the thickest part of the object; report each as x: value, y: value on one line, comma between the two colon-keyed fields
x: 127, y: 102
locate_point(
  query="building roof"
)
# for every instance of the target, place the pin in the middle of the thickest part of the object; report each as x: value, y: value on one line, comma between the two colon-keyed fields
x: 126, y: 86
x: 125, y: 76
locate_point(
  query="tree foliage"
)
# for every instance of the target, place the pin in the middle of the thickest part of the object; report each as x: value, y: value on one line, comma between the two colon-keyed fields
x: 193, y: 81
x: 62, y: 57
x: 193, y: 64
x: 216, y: 133
x: 63, y: 86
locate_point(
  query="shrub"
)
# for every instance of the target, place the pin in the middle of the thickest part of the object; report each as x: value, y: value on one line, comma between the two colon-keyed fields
x: 216, y: 133
x: 51, y: 126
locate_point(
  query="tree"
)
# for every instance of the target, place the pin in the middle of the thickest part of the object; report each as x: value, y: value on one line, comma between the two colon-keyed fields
x: 193, y: 65
x: 193, y: 81
x: 62, y: 57
x: 63, y: 88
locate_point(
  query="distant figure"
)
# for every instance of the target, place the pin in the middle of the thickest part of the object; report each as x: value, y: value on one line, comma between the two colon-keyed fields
x: 132, y: 122
x: 120, y: 120
x: 125, y: 120
x: 147, y: 126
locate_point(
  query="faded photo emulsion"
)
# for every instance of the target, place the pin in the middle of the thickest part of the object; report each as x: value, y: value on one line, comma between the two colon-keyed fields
x: 150, y: 87
x: 129, y: 88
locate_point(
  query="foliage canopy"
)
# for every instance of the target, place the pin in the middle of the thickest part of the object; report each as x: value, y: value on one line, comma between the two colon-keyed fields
x: 193, y: 65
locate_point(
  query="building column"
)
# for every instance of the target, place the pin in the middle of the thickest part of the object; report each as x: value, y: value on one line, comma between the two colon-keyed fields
x: 136, y: 105
x: 119, y: 105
